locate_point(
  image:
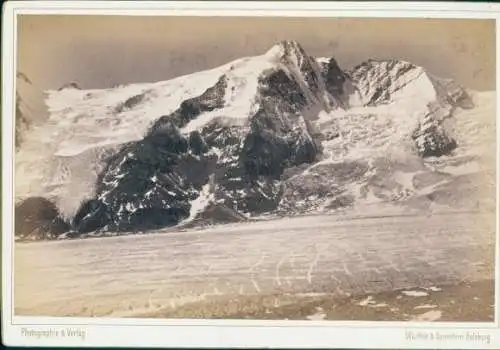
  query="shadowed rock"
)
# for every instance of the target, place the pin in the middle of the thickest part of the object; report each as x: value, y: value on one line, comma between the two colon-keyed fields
x: 38, y: 218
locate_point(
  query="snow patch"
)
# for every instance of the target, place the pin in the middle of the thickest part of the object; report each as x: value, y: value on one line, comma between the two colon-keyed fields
x: 425, y: 306
x: 378, y: 305
x: 204, y: 199
x: 323, y: 60
x: 367, y: 301
x: 414, y: 293
x: 464, y: 169
x: 318, y: 316
x: 429, y: 316
x: 404, y: 179
x: 419, y: 93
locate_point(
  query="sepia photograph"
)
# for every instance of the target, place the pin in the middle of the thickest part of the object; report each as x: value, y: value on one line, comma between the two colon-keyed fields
x: 254, y: 168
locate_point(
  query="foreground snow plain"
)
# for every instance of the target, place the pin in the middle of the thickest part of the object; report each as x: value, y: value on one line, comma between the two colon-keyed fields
x: 328, y: 255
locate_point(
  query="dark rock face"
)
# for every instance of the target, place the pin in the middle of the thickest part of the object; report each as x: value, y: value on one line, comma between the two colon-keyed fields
x: 264, y: 154
x: 197, y: 144
x: 432, y: 140
x: 276, y: 87
x: 93, y: 214
x: 334, y: 77
x: 293, y: 53
x: 38, y: 218
x: 142, y: 185
x: 131, y: 102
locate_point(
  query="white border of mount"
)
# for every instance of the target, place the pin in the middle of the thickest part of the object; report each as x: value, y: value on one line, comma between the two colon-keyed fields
x: 219, y: 333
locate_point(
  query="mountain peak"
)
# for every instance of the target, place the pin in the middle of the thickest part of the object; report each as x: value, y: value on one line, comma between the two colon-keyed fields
x: 70, y: 85
x: 291, y: 46
x: 286, y: 50
x: 24, y: 77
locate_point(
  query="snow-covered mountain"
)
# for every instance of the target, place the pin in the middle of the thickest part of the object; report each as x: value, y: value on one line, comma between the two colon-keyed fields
x: 283, y: 133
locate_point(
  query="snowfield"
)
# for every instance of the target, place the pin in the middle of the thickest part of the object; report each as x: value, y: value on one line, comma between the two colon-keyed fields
x: 336, y: 255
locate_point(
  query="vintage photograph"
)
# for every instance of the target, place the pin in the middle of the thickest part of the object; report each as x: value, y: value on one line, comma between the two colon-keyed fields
x: 262, y: 168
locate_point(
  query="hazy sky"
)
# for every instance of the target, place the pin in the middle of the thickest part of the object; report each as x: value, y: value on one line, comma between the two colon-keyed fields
x: 101, y: 51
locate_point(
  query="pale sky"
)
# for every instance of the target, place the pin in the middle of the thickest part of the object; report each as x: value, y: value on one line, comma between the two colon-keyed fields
x: 102, y: 51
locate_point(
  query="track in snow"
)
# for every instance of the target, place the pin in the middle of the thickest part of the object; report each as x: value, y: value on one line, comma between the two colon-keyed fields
x: 128, y: 275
